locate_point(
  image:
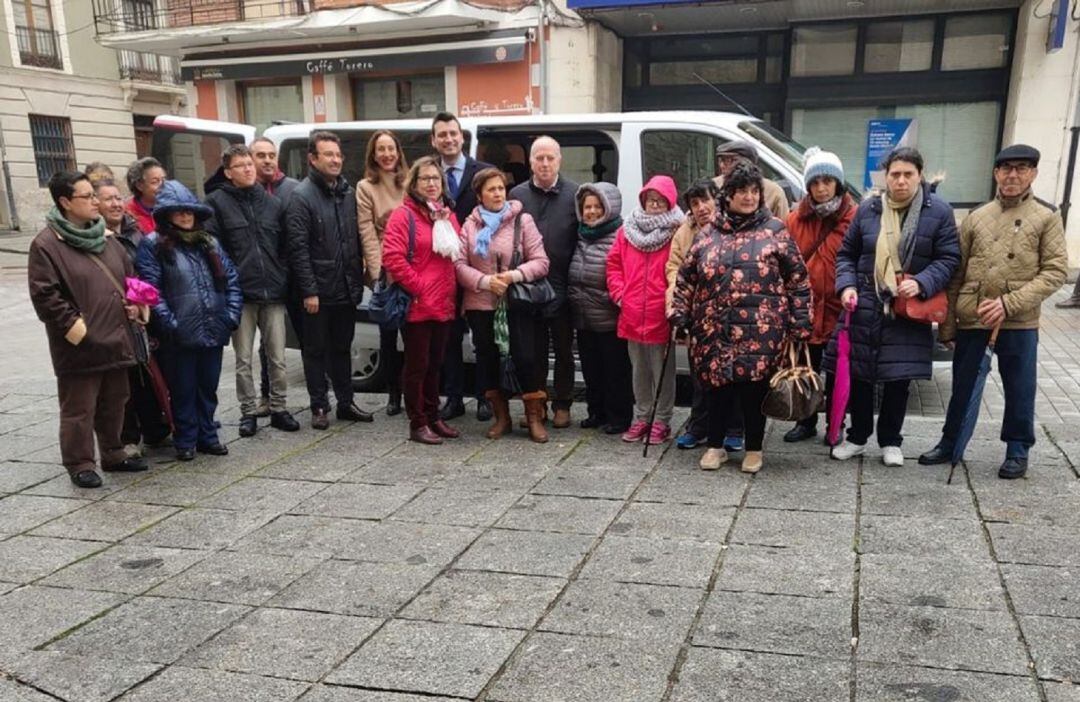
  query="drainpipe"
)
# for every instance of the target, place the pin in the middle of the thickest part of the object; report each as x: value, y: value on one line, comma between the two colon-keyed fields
x: 543, y: 49
x: 7, y: 183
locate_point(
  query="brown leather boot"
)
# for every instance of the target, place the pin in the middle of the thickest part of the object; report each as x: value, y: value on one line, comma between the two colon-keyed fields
x: 523, y: 422
x: 534, y: 413
x: 500, y: 407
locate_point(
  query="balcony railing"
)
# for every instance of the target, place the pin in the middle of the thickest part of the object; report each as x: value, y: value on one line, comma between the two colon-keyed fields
x: 38, y: 47
x: 149, y: 68
x: 111, y: 17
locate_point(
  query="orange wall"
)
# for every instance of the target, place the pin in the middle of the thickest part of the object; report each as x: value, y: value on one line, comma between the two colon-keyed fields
x: 494, y: 89
x: 206, y: 94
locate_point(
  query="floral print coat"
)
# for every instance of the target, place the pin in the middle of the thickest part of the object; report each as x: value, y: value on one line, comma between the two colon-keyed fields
x: 742, y: 291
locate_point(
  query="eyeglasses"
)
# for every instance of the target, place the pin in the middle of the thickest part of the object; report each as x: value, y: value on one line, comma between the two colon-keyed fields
x: 91, y: 196
x: 429, y: 179
x: 1022, y: 169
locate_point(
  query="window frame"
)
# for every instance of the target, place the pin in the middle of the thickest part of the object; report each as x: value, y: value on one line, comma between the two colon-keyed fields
x: 58, y: 28
x: 44, y: 159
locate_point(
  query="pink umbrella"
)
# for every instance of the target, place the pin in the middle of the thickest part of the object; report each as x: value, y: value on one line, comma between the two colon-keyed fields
x: 841, y: 381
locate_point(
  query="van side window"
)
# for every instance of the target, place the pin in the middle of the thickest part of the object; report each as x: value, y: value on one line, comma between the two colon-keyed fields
x: 686, y: 156
x: 587, y: 156
x: 292, y: 154
x: 190, y: 157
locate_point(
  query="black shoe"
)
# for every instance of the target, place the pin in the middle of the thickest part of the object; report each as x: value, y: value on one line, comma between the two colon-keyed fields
x: 218, y: 449
x: 1013, y: 468
x: 393, y: 404
x: 86, y: 479
x: 128, y: 465
x: 484, y: 412
x: 352, y: 413
x: 248, y: 425
x: 187, y: 454
x: 799, y: 432
x: 935, y: 456
x: 591, y: 422
x: 284, y: 421
x: 156, y: 442
x: 615, y: 428
x: 319, y: 420
x: 452, y: 408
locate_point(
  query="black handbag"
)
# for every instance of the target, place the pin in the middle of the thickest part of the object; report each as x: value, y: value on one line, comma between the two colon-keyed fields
x: 527, y: 297
x: 389, y: 303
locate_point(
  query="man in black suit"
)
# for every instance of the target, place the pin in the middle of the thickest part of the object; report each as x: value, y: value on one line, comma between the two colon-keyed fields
x: 448, y: 141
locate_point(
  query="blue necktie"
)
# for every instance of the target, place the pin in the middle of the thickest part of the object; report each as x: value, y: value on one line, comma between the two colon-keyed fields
x: 452, y: 181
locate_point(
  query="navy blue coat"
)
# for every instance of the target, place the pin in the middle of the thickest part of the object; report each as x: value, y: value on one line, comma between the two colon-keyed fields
x: 192, y: 312
x: 884, y: 349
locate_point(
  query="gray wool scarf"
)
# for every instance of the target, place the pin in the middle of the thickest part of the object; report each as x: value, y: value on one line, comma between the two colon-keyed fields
x: 648, y: 232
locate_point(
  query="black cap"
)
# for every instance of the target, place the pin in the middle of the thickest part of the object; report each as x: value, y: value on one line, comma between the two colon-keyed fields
x: 1018, y: 152
x: 738, y: 148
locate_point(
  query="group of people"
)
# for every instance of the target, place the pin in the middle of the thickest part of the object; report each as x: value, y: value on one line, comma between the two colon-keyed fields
x: 735, y: 277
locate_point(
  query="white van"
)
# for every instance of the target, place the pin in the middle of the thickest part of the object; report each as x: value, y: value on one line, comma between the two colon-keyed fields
x: 620, y: 148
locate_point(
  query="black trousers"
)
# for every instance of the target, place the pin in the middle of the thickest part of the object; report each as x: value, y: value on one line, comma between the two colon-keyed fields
x: 605, y: 363
x: 557, y: 332
x: 890, y: 422
x: 453, y: 368
x: 744, y: 398
x: 391, y: 358
x: 327, y: 352
x: 522, y: 330
x: 698, y: 424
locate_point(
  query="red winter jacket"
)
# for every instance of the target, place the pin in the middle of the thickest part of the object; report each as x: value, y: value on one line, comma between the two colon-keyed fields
x: 430, y: 277
x: 143, y: 217
x: 637, y: 284
x: 820, y: 240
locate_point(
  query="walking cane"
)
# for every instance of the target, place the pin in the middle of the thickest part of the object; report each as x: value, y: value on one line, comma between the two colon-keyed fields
x: 656, y: 400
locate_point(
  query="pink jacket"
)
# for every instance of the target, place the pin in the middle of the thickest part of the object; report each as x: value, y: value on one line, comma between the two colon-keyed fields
x: 473, y: 271
x: 430, y: 277
x: 637, y: 284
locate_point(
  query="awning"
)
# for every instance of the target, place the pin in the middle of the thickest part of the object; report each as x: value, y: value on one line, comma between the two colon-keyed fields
x: 501, y: 47
x: 428, y: 18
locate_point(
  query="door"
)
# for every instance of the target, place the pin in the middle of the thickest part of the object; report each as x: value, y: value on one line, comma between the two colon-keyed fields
x: 190, y: 149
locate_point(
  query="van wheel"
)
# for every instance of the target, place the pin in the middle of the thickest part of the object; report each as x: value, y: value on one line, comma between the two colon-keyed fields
x: 368, y: 372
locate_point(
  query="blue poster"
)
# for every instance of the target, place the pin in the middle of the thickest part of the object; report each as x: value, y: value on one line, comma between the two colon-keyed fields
x: 882, y: 136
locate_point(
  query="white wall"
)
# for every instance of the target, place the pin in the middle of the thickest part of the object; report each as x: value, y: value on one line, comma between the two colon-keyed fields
x: 1043, y: 97
x: 584, y: 70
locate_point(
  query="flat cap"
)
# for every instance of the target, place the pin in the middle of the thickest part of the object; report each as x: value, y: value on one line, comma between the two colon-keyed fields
x: 1018, y: 152
x: 738, y: 148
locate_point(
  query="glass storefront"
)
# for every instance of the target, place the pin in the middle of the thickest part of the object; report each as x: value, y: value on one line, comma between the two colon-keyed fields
x: 399, y: 98
x: 264, y: 103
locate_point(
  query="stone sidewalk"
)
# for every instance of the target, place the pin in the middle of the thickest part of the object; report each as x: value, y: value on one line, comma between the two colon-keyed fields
x: 352, y: 565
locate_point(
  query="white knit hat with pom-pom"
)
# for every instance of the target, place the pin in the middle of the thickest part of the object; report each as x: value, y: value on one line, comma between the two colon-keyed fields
x: 817, y: 163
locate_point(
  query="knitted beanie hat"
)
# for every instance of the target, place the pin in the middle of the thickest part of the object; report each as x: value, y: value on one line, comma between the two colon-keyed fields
x: 817, y: 162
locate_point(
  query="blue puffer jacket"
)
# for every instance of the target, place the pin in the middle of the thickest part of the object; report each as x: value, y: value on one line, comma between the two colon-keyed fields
x: 893, y: 349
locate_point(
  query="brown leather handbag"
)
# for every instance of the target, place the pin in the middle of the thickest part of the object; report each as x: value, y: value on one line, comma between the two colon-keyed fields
x: 929, y: 311
x: 796, y: 391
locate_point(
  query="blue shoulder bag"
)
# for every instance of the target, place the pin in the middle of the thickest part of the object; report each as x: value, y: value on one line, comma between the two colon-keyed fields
x: 389, y: 304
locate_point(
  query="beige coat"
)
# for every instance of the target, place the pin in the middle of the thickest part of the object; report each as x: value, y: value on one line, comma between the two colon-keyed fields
x: 680, y: 246
x: 1017, y: 254
x: 374, y: 203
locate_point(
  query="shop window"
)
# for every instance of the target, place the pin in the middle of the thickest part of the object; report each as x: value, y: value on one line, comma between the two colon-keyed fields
x: 824, y: 50
x: 739, y: 70
x: 400, y: 98
x: 632, y: 67
x: 774, y: 58
x: 53, y: 148
x: 952, y: 138
x: 976, y: 41
x: 264, y: 104
x: 899, y: 46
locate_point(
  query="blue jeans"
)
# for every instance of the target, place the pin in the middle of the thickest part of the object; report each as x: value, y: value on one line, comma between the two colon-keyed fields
x: 193, y: 376
x: 1017, y: 354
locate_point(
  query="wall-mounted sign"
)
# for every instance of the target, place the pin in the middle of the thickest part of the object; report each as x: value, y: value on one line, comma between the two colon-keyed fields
x: 882, y: 136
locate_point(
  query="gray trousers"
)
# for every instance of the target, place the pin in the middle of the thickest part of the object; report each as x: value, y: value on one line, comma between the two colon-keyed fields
x: 269, y: 319
x: 648, y: 363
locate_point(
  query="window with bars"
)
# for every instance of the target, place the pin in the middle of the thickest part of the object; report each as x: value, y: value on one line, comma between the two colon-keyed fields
x: 53, y: 148
x: 39, y: 44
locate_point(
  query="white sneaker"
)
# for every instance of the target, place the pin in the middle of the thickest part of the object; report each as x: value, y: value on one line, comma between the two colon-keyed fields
x: 847, y: 450
x: 892, y: 456
x: 712, y: 459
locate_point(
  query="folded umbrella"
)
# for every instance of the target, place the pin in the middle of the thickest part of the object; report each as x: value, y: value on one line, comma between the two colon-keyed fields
x: 508, y: 377
x: 841, y: 391
x: 971, y: 413
x: 161, y: 391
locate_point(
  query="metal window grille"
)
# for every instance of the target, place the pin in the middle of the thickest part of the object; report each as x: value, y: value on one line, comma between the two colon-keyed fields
x: 53, y: 148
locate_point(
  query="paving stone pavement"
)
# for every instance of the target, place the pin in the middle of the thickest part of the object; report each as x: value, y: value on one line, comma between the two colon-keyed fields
x: 350, y: 565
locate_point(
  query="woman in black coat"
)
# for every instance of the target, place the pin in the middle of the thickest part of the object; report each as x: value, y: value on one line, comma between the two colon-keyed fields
x: 887, y: 349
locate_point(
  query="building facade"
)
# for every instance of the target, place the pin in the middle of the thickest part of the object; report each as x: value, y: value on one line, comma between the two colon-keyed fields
x: 960, y: 77
x: 66, y: 101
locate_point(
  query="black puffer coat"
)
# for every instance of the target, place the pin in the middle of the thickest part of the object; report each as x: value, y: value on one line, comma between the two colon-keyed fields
x: 591, y: 307
x: 883, y: 349
x: 324, y: 241
x: 555, y: 214
x: 247, y: 222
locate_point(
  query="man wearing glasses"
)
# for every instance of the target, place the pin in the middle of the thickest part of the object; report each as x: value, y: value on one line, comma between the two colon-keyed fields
x: 1012, y: 258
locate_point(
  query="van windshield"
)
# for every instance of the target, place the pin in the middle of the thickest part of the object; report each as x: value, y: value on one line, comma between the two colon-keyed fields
x: 786, y: 148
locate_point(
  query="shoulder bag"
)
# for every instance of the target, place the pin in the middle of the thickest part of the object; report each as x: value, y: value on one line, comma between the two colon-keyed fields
x: 389, y: 304
x: 796, y: 391
x: 527, y: 297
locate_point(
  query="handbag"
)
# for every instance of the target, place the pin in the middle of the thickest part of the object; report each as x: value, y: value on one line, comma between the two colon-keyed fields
x: 932, y: 310
x: 527, y: 297
x: 795, y: 391
x: 140, y: 342
x: 389, y: 303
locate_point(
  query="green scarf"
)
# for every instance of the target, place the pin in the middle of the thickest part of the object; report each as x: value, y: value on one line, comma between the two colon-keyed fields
x: 195, y: 237
x: 598, y: 232
x: 91, y: 239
